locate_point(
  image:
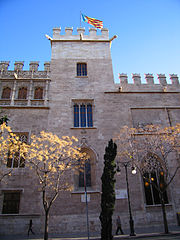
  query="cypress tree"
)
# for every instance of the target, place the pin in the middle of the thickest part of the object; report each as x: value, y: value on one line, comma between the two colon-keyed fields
x: 108, y: 191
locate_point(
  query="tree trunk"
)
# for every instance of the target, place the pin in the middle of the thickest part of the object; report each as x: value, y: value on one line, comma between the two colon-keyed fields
x: 46, y: 227
x: 106, y: 230
x: 164, y: 214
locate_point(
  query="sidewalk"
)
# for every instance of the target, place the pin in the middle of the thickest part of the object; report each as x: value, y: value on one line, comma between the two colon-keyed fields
x: 145, y: 233
x: 152, y: 236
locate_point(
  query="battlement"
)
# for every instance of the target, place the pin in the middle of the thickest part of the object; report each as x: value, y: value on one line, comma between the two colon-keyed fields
x: 18, y: 71
x: 80, y: 34
x: 149, y: 84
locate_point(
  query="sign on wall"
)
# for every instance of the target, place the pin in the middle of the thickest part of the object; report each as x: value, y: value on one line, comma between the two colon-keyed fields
x: 121, y: 193
x: 83, y: 198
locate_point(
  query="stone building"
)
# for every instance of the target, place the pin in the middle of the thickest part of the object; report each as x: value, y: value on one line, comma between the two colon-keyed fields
x: 76, y: 95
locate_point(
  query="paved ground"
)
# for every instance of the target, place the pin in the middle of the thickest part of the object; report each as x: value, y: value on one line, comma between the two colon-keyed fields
x: 148, y: 236
x: 162, y: 238
x: 150, y: 233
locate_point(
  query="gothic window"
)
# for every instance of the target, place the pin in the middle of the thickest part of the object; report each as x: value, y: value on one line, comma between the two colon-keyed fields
x: 17, y: 161
x: 11, y: 202
x: 85, y: 175
x: 6, y: 93
x: 38, y: 93
x: 22, y: 93
x: 81, y: 69
x: 151, y: 193
x: 83, y: 115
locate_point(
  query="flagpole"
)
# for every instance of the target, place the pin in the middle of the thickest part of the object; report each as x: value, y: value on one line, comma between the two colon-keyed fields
x: 80, y: 18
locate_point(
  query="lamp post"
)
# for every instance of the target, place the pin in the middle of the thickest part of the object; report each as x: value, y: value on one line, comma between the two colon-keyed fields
x: 85, y: 191
x: 131, y: 221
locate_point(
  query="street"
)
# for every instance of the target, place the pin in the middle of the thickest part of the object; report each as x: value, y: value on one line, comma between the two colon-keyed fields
x: 155, y: 237
x: 161, y: 238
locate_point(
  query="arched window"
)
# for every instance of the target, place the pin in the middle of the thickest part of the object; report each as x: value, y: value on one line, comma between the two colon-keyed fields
x: 38, y: 93
x: 86, y: 174
x: 6, y: 93
x: 17, y: 161
x: 153, y: 178
x: 22, y: 93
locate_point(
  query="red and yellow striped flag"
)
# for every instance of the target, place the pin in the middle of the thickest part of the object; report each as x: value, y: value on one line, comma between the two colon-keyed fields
x: 96, y: 23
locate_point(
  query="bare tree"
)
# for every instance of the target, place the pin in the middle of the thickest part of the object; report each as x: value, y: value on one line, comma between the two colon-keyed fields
x: 153, y: 150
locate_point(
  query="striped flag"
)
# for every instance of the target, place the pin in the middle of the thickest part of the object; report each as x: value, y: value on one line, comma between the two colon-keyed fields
x: 96, y: 23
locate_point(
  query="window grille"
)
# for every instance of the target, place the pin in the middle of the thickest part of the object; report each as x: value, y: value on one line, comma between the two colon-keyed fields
x: 83, y: 115
x: 11, y: 202
x: 81, y: 69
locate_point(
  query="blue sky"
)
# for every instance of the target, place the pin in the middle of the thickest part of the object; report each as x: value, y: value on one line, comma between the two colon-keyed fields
x: 148, y: 31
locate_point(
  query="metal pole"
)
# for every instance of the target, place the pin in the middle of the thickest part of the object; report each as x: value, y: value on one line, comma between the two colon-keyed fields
x: 85, y: 190
x: 80, y: 18
x: 131, y: 222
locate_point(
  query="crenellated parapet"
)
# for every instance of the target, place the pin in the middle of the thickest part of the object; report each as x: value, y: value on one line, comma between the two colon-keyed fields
x: 149, y: 83
x: 80, y: 34
x: 18, y: 71
x: 29, y: 88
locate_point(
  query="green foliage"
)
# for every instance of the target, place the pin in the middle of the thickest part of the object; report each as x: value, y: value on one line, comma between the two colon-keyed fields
x: 108, y: 191
x: 4, y: 119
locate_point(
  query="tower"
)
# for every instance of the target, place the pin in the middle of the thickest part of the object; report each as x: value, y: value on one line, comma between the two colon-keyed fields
x: 81, y: 69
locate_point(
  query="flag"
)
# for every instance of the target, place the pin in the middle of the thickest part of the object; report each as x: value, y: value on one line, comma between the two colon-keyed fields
x: 96, y: 23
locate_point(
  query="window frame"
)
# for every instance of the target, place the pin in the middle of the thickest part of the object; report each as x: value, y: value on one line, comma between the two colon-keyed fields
x: 83, y: 113
x: 8, y: 204
x: 92, y: 173
x: 9, y: 96
x: 17, y: 161
x: 42, y: 93
x: 22, y: 95
x: 152, y: 192
x: 88, y: 180
x: 81, y: 69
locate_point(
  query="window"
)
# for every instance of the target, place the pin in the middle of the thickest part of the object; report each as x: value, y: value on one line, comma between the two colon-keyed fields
x: 86, y: 174
x: 11, y: 202
x: 85, y: 181
x: 17, y: 160
x: 83, y: 115
x: 151, y: 192
x: 22, y: 93
x: 81, y: 69
x: 38, y: 93
x: 6, y: 93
